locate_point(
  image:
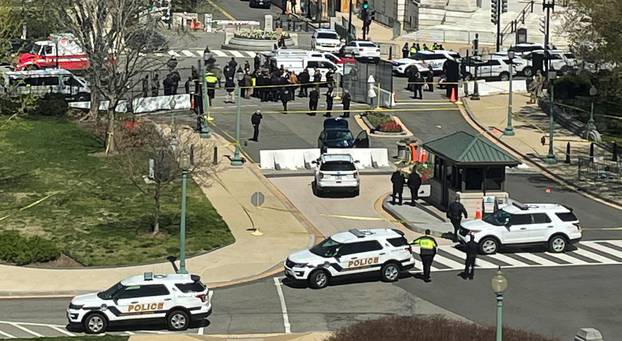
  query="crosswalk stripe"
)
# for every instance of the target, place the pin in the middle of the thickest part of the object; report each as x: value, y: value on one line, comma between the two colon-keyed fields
x: 615, y: 242
x: 159, y: 54
x: 7, y: 335
x: 173, y: 53
x: 26, y: 330
x: 250, y: 54
x: 539, y: 260
x: 219, y: 53
x: 508, y: 260
x: 237, y: 54
x: 447, y: 262
x: 188, y: 53
x: 604, y: 248
x: 480, y: 263
x: 567, y: 258
x: 593, y: 256
x: 62, y: 331
x: 200, y: 331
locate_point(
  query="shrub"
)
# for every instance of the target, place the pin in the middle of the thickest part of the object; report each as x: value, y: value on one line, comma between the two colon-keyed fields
x: 376, y: 118
x: 435, y: 328
x: 389, y: 127
x: 20, y: 250
x: 52, y: 105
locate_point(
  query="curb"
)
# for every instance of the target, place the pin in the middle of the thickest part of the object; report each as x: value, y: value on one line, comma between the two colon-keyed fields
x: 407, y: 224
x: 467, y: 113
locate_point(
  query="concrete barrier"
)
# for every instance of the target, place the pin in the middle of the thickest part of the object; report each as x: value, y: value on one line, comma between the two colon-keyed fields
x: 496, y: 88
x: 588, y: 334
x: 144, y: 104
x: 294, y: 159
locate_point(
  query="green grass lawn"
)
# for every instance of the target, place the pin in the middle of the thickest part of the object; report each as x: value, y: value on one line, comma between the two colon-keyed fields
x: 97, y: 217
x: 80, y: 338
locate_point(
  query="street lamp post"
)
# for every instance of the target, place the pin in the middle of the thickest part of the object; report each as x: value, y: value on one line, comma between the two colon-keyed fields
x: 550, y: 158
x: 349, y: 22
x: 236, y: 160
x: 591, y: 126
x: 184, y: 163
x: 499, y: 284
x: 475, y: 95
x: 547, y: 5
x: 509, y: 130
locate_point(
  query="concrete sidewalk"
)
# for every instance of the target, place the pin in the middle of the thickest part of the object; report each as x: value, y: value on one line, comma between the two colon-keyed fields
x: 530, y: 124
x: 229, y: 189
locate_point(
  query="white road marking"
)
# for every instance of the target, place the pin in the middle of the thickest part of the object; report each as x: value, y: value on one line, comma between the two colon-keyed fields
x: 447, y: 262
x: 250, y: 54
x: 534, y: 258
x: 593, y: 256
x: 615, y: 242
x: 219, y: 53
x: 508, y: 260
x: 173, y: 53
x: 567, y: 258
x: 237, y: 54
x: 279, y: 290
x: 159, y: 54
x: 62, y: 331
x: 604, y: 248
x: 200, y: 331
x: 480, y: 263
x: 7, y: 335
x: 188, y: 53
x: 26, y: 329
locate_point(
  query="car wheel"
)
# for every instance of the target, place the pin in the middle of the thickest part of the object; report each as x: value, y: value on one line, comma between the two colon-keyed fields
x: 504, y: 76
x: 318, y: 279
x: 317, y: 190
x: 357, y: 192
x: 468, y: 77
x: 528, y: 71
x: 390, y: 272
x: 177, y: 320
x: 557, y: 244
x: 82, y: 98
x: 488, y: 245
x: 95, y: 323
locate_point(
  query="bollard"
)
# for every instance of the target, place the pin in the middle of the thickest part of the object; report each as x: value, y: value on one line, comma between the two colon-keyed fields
x: 390, y: 52
x: 215, y: 155
x: 592, y: 152
x: 567, y: 153
x: 588, y: 334
x: 614, y: 152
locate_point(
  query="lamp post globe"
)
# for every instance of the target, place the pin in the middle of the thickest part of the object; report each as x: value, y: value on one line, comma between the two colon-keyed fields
x: 509, y: 129
x: 499, y: 284
x: 591, y: 126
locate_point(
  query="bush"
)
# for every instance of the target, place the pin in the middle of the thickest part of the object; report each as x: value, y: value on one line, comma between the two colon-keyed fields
x: 435, y: 328
x: 572, y: 85
x: 52, y: 105
x: 389, y: 127
x: 20, y: 250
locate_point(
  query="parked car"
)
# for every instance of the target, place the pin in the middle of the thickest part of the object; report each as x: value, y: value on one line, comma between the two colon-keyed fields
x: 521, y: 65
x: 362, y: 49
x: 326, y: 40
x: 336, y: 173
x: 260, y: 3
x: 42, y: 82
x: 422, y: 60
x: 336, y: 134
x: 492, y: 68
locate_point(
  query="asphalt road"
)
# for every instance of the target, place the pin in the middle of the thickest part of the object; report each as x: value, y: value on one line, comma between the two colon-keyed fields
x: 571, y: 298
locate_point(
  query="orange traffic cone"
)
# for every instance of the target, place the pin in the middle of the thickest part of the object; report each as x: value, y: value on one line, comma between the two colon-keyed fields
x: 453, y: 96
x: 478, y: 214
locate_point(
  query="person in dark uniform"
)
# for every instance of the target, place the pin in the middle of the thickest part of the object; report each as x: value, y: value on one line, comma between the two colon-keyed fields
x: 317, y: 77
x: 187, y: 84
x: 418, y: 93
x: 285, y: 97
x: 428, y: 247
x: 397, y: 179
x: 330, y: 78
x: 314, y: 96
x: 412, y: 76
x: 414, y: 182
x: 256, y: 121
x: 430, y: 79
x: 257, y: 62
x: 155, y: 85
x: 452, y: 75
x: 304, y: 78
x: 345, y: 100
x: 329, y: 102
x: 470, y: 249
x: 455, y: 211
x: 405, y: 50
x: 146, y: 86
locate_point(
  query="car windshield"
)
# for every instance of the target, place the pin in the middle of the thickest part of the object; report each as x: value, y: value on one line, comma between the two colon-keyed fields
x: 499, y: 218
x: 334, y: 166
x: 110, y: 292
x: 327, y: 248
x: 367, y: 45
x: 327, y: 35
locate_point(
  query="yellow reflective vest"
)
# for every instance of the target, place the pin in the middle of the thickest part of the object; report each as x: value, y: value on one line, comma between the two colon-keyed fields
x: 427, y: 244
x: 210, y: 78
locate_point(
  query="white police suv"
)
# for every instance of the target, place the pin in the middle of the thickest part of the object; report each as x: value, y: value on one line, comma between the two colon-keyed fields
x: 176, y: 299
x: 336, y: 172
x: 353, y: 252
x: 517, y: 224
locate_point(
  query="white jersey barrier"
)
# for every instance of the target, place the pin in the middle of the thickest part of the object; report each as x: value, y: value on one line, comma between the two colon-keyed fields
x: 145, y: 104
x: 501, y: 87
x: 294, y: 159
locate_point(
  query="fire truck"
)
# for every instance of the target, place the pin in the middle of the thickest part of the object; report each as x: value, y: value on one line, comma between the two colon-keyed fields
x: 59, y: 51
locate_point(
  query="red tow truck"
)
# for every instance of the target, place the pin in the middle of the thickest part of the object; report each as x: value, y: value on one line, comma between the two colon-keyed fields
x: 59, y: 51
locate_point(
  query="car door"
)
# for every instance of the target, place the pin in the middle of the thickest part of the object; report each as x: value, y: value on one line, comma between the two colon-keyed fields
x: 362, y: 140
x: 360, y: 257
x: 144, y: 301
x: 538, y: 231
x: 517, y: 232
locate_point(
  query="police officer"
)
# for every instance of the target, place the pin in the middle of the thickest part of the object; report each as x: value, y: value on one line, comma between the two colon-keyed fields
x: 314, y: 96
x: 256, y: 121
x: 418, y: 93
x: 397, y: 179
x: 304, y: 78
x: 428, y: 247
x: 405, y: 50
x: 155, y: 85
x: 257, y: 62
x: 414, y: 182
x: 413, y: 49
x: 471, y: 248
x: 329, y: 102
x: 210, y: 80
x: 454, y: 213
x: 285, y: 91
x: 345, y: 100
x: 146, y: 86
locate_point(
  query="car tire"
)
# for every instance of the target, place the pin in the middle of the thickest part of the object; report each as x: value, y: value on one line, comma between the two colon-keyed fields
x: 504, y: 76
x: 558, y: 243
x: 177, y: 320
x: 390, y: 272
x: 488, y: 245
x: 318, y: 279
x: 82, y: 98
x: 357, y: 192
x: 95, y: 323
x: 527, y: 71
x: 317, y: 191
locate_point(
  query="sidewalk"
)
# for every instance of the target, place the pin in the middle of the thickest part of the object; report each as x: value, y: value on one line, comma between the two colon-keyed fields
x: 530, y: 124
x: 250, y: 257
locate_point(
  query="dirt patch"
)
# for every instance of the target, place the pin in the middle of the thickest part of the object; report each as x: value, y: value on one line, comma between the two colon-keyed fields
x: 61, y: 262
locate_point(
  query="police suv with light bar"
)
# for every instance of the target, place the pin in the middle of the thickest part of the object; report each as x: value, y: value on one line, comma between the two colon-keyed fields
x: 176, y: 299
x: 352, y: 252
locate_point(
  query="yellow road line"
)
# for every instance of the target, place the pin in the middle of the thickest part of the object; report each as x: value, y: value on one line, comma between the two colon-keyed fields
x: 229, y: 16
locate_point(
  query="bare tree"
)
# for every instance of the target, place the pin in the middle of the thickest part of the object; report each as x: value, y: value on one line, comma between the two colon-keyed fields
x: 103, y: 29
x: 165, y: 148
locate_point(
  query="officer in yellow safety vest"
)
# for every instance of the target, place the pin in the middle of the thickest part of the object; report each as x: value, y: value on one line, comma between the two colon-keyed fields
x: 427, y: 252
x: 210, y: 80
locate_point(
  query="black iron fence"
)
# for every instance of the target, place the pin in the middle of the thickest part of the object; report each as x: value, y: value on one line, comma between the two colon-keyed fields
x: 603, y: 170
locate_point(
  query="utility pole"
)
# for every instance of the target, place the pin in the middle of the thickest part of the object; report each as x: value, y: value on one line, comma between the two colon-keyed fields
x: 550, y: 158
x: 547, y: 5
x: 349, y: 22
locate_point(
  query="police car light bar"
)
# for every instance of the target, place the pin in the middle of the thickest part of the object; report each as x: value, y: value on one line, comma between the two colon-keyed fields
x: 357, y: 233
x: 148, y: 276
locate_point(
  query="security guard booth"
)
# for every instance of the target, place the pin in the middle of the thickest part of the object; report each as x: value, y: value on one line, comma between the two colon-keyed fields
x: 467, y: 167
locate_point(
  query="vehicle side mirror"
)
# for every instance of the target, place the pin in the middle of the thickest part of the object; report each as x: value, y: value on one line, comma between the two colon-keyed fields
x: 357, y: 161
x: 507, y: 223
x: 314, y: 162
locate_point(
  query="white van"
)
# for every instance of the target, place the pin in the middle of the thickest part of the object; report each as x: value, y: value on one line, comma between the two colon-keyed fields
x: 297, y: 64
x: 42, y: 82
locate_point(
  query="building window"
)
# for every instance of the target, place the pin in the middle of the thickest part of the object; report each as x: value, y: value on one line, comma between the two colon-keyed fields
x: 473, y: 179
x: 494, y: 178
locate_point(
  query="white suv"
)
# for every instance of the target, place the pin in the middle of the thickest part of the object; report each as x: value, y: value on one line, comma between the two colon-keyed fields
x: 353, y: 252
x: 326, y: 40
x: 422, y: 60
x: 552, y: 225
x: 492, y: 68
x: 336, y: 172
x: 176, y: 299
x: 362, y: 49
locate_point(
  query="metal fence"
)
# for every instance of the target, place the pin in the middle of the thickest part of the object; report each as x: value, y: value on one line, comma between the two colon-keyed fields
x: 602, y: 170
x: 356, y: 76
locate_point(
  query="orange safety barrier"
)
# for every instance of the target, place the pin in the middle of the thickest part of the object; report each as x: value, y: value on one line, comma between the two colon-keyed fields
x: 453, y: 96
x: 478, y: 214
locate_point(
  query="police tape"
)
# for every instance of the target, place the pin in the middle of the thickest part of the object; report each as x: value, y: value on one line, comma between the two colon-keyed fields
x: 337, y: 111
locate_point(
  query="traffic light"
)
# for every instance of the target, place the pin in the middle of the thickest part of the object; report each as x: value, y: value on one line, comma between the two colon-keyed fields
x: 504, y: 6
x: 542, y: 25
x: 364, y: 10
x: 365, y: 5
x: 494, y: 4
